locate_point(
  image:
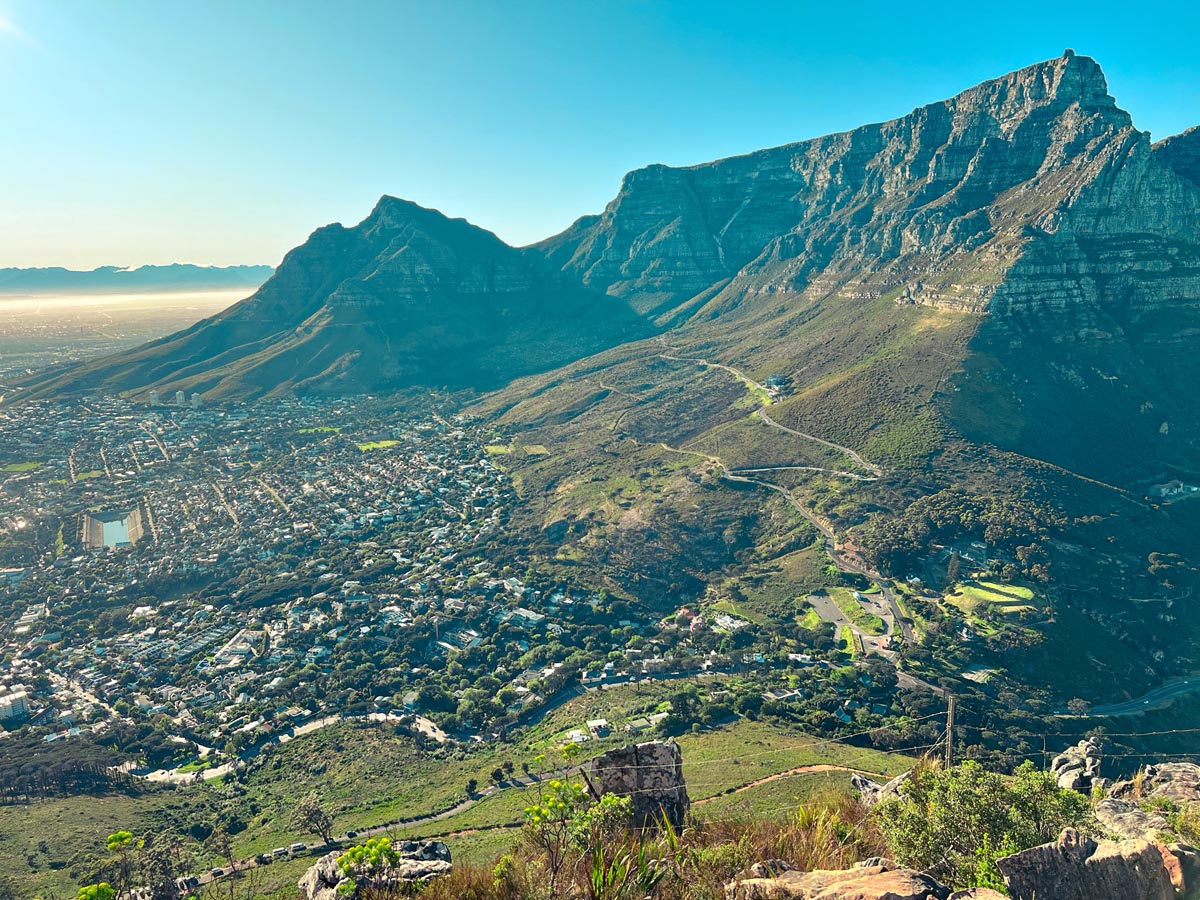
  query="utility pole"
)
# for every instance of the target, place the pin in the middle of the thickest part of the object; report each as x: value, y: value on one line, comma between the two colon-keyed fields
x: 950, y: 731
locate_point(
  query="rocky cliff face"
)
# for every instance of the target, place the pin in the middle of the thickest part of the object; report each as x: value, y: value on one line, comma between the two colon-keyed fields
x: 936, y: 204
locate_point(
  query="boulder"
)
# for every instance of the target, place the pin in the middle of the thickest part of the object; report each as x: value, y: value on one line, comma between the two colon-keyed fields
x: 868, y: 883
x: 1076, y: 767
x: 419, y: 861
x: 650, y: 774
x: 1127, y: 820
x: 873, y: 792
x: 1178, y: 782
x: 1076, y: 867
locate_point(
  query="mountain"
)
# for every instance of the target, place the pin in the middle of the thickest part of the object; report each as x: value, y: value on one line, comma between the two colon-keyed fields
x: 406, y: 297
x: 1029, y: 203
x: 994, y: 300
x: 117, y: 280
x: 976, y: 322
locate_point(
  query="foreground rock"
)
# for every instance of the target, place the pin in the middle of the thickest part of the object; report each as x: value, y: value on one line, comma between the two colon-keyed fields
x: 1129, y: 821
x: 419, y: 861
x: 865, y: 883
x: 650, y: 774
x: 1076, y: 867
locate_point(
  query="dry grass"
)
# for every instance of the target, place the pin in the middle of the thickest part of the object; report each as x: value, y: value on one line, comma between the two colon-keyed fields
x: 832, y: 832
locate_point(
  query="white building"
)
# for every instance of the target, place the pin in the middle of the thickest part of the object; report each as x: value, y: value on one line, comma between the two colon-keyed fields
x: 14, y: 705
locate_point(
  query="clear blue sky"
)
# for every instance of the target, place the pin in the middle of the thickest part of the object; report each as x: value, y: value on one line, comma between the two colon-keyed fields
x: 225, y: 132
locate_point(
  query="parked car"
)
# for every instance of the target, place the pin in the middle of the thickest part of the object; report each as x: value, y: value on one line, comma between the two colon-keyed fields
x: 279, y: 851
x: 298, y: 847
x: 351, y: 834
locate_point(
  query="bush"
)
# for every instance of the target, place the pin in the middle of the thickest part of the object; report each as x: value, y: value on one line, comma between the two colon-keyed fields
x: 954, y: 823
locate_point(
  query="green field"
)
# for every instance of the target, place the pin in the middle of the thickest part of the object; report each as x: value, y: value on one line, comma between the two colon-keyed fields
x: 1010, y: 599
x: 376, y: 445
x: 321, y: 429
x: 22, y: 467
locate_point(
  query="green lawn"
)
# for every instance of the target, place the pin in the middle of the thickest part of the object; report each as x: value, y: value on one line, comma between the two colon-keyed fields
x: 321, y: 429
x: 973, y: 598
x: 376, y: 445
x: 22, y: 467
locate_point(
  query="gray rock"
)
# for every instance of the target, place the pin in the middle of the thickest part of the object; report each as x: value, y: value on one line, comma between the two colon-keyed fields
x: 651, y: 774
x: 1178, y: 782
x: 871, y: 883
x: 873, y: 792
x: 1127, y: 820
x: 1077, y: 768
x: 419, y: 861
x: 1076, y: 867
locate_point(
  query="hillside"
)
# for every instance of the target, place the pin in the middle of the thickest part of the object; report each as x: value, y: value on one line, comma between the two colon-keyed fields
x: 992, y: 299
x: 406, y: 297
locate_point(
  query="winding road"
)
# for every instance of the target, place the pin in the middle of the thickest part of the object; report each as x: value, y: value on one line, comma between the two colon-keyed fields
x: 899, y: 621
x: 1160, y: 696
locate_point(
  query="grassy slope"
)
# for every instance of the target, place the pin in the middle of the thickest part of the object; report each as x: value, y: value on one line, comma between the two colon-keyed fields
x: 369, y: 776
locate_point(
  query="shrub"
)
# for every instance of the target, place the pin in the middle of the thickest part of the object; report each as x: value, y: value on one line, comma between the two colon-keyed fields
x: 954, y: 823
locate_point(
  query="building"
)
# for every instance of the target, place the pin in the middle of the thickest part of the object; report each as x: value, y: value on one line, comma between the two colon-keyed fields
x: 180, y: 398
x: 14, y: 705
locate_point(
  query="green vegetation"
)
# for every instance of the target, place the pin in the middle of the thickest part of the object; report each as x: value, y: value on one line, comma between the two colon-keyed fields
x: 865, y: 621
x: 975, y: 598
x: 21, y: 467
x: 955, y: 823
x: 321, y: 429
x: 376, y: 445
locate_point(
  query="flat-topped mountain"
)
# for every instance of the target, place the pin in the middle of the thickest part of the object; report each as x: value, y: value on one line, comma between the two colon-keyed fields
x: 119, y: 280
x: 1062, y: 245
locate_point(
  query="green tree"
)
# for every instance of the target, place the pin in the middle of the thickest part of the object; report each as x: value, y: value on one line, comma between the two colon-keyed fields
x: 953, y: 569
x: 121, y: 845
x: 954, y: 823
x: 101, y: 891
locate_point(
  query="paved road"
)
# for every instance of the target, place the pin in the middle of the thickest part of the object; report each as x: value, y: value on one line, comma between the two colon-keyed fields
x: 1160, y: 696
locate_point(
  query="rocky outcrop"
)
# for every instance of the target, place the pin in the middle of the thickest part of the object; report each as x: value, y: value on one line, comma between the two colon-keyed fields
x: 867, y: 883
x: 650, y: 774
x: 1077, y: 767
x: 1075, y: 867
x: 872, y: 792
x: 1127, y: 820
x: 1181, y: 154
x: 419, y: 861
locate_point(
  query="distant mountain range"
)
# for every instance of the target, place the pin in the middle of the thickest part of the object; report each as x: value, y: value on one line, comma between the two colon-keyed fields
x: 143, y: 279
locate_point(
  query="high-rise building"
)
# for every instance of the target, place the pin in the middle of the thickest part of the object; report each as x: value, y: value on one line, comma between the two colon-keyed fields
x: 154, y: 398
x: 195, y: 401
x: 180, y: 398
x: 13, y: 705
